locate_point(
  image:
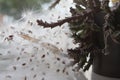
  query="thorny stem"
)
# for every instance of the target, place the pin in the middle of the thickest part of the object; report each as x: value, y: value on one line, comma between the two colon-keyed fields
x: 81, y: 16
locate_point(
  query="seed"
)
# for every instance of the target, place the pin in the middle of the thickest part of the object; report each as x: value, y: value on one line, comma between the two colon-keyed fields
x: 32, y: 69
x: 58, y: 70
x: 64, y: 70
x: 63, y: 62
x: 8, y: 76
x: 43, y: 56
x: 30, y: 60
x: 30, y: 31
x: 34, y: 76
x: 24, y: 64
x: 67, y: 73
x: 14, y: 67
x: 18, y: 58
x: 58, y: 59
x: 43, y: 79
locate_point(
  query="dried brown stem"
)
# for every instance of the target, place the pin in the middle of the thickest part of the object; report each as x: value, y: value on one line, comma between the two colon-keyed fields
x: 81, y: 16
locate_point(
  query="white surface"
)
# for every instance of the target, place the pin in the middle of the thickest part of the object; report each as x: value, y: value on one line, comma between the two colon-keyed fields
x: 36, y: 53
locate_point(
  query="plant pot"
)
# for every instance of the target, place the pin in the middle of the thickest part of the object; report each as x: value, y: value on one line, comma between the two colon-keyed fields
x: 108, y: 65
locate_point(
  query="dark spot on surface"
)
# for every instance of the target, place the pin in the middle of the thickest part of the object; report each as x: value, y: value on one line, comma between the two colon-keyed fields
x: 12, y: 27
x: 32, y: 55
x: 63, y: 62
x: 58, y: 70
x: 23, y: 64
x: 30, y: 60
x: 9, y: 52
x: 32, y: 69
x: 18, y: 58
x: 8, y: 76
x: 43, y: 60
x: 43, y: 56
x: 31, y: 23
x: 43, y: 79
x: 10, y: 37
x: 73, y: 70
x: 22, y: 49
x: 14, y: 67
x: 30, y: 31
x: 48, y: 67
x: 64, y: 70
x: 57, y: 42
x: 58, y: 59
x: 58, y: 17
x: 34, y: 76
x: 47, y: 53
x: 43, y: 73
x: 67, y: 73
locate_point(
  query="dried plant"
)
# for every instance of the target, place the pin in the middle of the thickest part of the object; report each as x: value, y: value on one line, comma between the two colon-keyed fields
x: 91, y: 23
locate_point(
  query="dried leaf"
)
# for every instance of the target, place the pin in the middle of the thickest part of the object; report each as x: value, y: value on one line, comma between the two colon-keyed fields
x: 29, y: 38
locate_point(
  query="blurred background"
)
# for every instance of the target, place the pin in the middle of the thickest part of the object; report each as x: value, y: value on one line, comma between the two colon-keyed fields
x: 16, y: 7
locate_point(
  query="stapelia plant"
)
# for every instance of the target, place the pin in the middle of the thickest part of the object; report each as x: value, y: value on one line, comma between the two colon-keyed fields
x: 89, y: 31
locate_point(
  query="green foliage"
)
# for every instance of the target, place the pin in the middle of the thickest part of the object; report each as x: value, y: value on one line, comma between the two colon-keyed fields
x: 15, y: 7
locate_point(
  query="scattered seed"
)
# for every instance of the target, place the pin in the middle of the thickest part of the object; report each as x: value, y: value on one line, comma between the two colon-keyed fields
x: 18, y: 58
x: 9, y: 52
x: 37, y: 65
x: 67, y: 73
x: 30, y: 60
x: 34, y: 76
x: 43, y: 60
x: 57, y: 42
x: 58, y: 70
x: 47, y: 53
x: 10, y: 37
x: 58, y: 59
x: 42, y: 79
x: 61, y: 49
x: 12, y: 27
x: 24, y: 64
x: 58, y: 17
x: 17, y: 48
x: 52, y: 14
x: 29, y: 22
x: 48, y: 67
x: 22, y: 49
x: 63, y: 62
x: 14, y: 67
x: 30, y: 31
x: 43, y: 73
x: 32, y: 55
x: 8, y: 76
x: 64, y: 70
x: 43, y: 56
x: 73, y: 70
x: 32, y: 69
